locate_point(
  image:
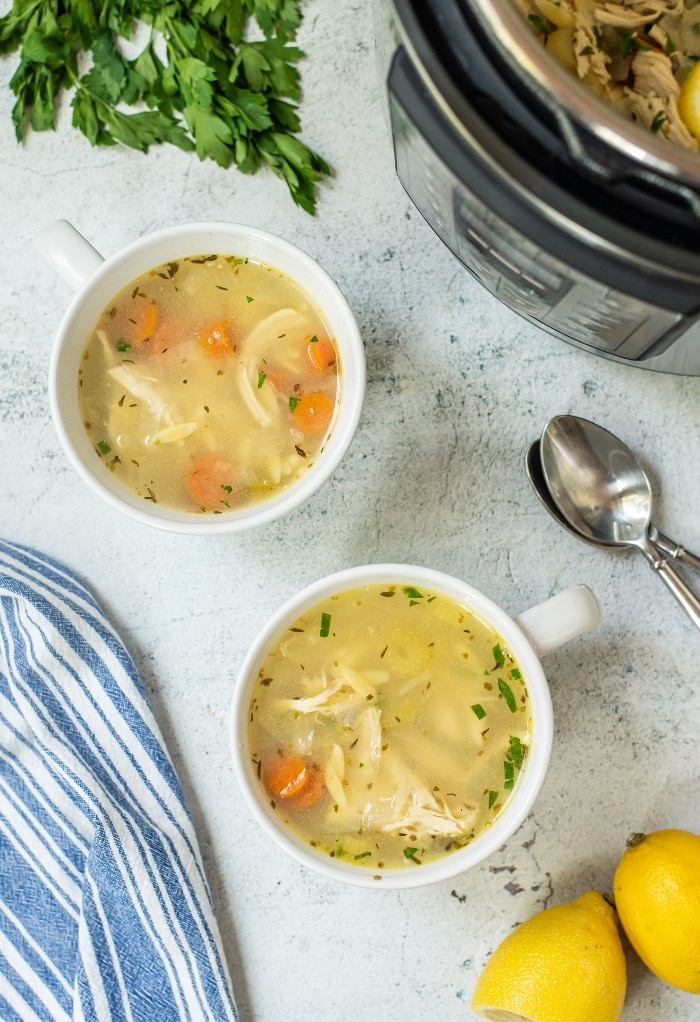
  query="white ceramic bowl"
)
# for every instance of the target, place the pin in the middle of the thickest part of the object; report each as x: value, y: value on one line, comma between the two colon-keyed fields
x: 529, y: 636
x: 98, y: 280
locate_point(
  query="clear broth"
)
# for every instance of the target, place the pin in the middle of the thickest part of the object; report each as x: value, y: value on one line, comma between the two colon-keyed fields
x: 409, y: 715
x: 209, y: 383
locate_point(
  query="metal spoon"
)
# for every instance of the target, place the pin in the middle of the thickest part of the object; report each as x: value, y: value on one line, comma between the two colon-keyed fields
x: 533, y: 468
x: 535, y: 473
x: 604, y: 495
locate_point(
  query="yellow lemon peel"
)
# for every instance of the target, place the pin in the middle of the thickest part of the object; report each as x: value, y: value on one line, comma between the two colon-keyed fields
x: 565, y: 964
x: 689, y: 101
x: 657, y: 896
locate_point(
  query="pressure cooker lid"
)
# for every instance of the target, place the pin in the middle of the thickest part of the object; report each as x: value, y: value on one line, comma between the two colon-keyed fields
x: 484, y: 52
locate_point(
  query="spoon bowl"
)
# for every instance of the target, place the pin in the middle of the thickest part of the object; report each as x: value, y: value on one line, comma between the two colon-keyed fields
x: 595, y: 481
x: 535, y: 473
x: 602, y: 492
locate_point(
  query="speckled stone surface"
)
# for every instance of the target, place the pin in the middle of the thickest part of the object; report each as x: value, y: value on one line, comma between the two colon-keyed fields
x: 457, y: 388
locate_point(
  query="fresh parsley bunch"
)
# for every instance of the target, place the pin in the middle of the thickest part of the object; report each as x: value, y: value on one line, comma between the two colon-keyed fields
x: 223, y: 89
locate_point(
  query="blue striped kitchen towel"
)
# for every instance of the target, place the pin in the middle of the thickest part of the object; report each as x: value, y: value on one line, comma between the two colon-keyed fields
x: 105, y: 913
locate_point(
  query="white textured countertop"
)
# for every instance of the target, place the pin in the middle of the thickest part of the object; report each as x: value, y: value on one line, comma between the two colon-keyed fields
x: 457, y: 388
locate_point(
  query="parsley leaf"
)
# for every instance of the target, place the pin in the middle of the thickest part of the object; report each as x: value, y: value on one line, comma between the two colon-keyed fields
x: 507, y: 693
x: 219, y: 91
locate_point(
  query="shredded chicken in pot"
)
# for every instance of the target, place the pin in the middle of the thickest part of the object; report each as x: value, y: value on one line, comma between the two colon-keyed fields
x: 635, y: 54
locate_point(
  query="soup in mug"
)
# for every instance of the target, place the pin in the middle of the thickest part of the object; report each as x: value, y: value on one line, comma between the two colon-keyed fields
x: 209, y: 383
x: 389, y: 725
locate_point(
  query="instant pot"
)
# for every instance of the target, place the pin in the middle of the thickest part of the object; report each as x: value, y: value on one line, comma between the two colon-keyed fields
x: 584, y: 223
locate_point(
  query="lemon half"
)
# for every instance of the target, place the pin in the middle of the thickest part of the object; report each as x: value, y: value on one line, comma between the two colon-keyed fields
x: 657, y: 896
x: 566, y: 964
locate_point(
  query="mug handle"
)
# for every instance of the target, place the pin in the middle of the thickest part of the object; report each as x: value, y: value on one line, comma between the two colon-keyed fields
x: 73, y: 258
x: 561, y: 618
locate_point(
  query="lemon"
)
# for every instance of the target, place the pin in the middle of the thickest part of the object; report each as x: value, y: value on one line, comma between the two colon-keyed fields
x: 564, y: 965
x: 689, y: 101
x: 657, y: 896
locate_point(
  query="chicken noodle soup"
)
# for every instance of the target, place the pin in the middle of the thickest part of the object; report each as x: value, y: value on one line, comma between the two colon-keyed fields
x: 635, y: 55
x: 209, y: 383
x: 388, y: 726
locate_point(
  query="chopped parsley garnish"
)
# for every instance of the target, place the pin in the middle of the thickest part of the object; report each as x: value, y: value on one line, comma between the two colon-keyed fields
x: 103, y: 447
x: 629, y: 42
x: 227, y: 488
x: 498, y: 655
x: 507, y: 693
x: 625, y: 38
x: 508, y: 774
x: 122, y: 345
x: 325, y: 625
x: 314, y: 340
x: 515, y: 674
x: 261, y: 379
x: 362, y: 855
x: 659, y: 119
x: 413, y: 594
x: 293, y: 402
x: 409, y: 853
x: 493, y: 798
x: 516, y: 751
x: 479, y: 711
x: 540, y: 25
x: 249, y: 299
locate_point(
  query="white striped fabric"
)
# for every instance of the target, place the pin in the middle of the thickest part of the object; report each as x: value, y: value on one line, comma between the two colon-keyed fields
x: 105, y: 913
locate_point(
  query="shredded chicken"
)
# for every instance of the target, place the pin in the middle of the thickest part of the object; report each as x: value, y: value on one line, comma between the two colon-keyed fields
x: 147, y: 389
x: 400, y: 800
x: 347, y: 689
x: 414, y: 807
x: 635, y: 54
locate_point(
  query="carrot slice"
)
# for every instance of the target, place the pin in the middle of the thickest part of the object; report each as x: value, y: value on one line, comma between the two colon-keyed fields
x: 211, y: 480
x: 282, y: 381
x: 313, y: 790
x: 150, y: 321
x: 322, y: 356
x: 293, y: 779
x: 168, y: 333
x: 142, y: 322
x: 313, y: 413
x: 287, y: 776
x: 216, y: 339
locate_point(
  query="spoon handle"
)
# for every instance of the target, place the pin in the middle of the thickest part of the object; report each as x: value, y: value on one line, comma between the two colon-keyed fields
x: 687, y: 599
x: 678, y: 553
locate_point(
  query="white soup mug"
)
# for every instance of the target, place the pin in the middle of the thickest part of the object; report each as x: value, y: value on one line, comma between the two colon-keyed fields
x: 96, y: 281
x: 528, y: 636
